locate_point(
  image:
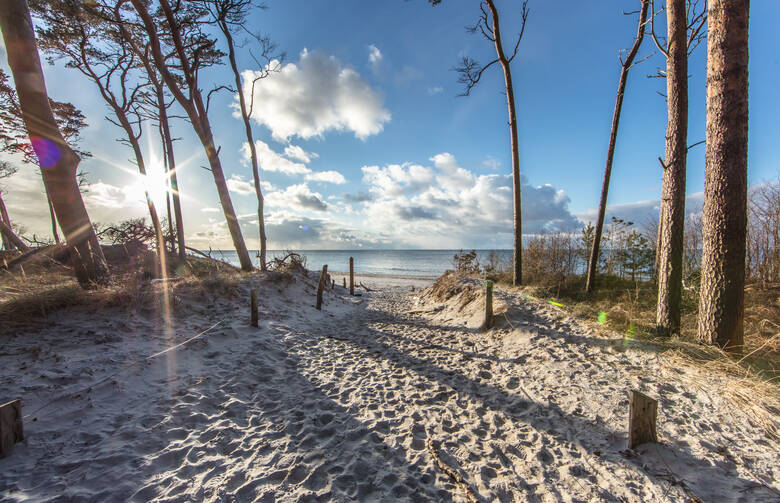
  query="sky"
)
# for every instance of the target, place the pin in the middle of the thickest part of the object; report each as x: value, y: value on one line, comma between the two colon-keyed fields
x: 365, y: 143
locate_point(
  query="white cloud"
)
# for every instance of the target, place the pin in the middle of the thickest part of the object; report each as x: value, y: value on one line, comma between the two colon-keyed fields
x: 269, y: 160
x: 298, y: 197
x: 374, y: 58
x: 326, y: 176
x: 435, y: 90
x: 315, y: 95
x: 298, y: 154
x: 211, y: 210
x: 236, y: 183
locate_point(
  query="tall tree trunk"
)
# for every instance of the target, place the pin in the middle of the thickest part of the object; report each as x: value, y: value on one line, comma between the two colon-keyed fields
x: 250, y: 139
x: 171, y: 227
x: 171, y: 164
x: 594, y: 252
x: 57, y: 160
x: 672, y: 223
x: 517, y: 261
x: 7, y: 244
x: 196, y: 111
x: 722, y: 297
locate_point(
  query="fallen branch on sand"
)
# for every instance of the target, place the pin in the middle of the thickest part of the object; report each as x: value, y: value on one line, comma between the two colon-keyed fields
x: 455, y: 476
x: 364, y: 287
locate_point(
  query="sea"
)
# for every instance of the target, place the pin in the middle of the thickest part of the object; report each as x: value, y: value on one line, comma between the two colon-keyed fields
x: 427, y: 263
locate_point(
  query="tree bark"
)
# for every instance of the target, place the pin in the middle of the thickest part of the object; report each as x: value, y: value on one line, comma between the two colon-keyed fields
x: 8, y: 234
x: 517, y: 268
x: 626, y: 66
x: 7, y: 244
x: 197, y: 113
x: 722, y: 296
x: 672, y: 223
x: 250, y: 139
x: 53, y: 217
x: 57, y: 160
x: 171, y: 165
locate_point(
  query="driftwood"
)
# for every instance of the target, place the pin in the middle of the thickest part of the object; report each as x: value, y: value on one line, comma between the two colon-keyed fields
x: 455, y: 476
x: 364, y: 287
x: 58, y: 253
x: 12, y: 237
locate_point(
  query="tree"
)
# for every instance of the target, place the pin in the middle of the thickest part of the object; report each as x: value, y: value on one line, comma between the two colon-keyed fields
x: 471, y: 72
x: 626, y: 65
x: 14, y: 139
x: 229, y: 15
x: 671, y: 226
x: 192, y: 49
x: 6, y: 170
x: 94, y: 48
x: 58, y: 161
x: 724, y: 216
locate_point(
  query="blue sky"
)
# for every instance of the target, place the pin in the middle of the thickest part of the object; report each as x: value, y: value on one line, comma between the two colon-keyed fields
x: 369, y: 94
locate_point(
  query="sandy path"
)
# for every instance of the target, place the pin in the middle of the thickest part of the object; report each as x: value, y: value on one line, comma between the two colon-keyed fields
x: 338, y: 405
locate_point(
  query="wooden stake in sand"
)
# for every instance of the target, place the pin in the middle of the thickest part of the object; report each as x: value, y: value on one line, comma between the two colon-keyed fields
x: 488, y: 305
x: 321, y: 286
x: 642, y: 415
x: 11, y: 429
x: 351, y: 276
x: 253, y: 300
x: 345, y: 282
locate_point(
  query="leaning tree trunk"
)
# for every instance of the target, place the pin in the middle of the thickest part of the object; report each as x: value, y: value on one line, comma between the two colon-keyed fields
x: 672, y: 223
x: 724, y: 216
x: 53, y: 218
x: 517, y: 261
x: 7, y: 244
x: 57, y: 160
x: 594, y: 252
x: 250, y: 140
x: 171, y: 166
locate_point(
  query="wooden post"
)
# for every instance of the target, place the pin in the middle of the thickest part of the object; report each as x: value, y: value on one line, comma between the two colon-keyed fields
x: 642, y: 415
x: 344, y: 281
x: 11, y: 428
x: 321, y: 286
x: 254, y: 307
x: 351, y: 276
x: 488, y: 304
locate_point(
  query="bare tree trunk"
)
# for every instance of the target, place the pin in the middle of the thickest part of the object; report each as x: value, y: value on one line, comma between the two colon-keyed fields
x: 196, y: 111
x: 672, y: 223
x: 517, y: 260
x: 171, y: 166
x: 53, y: 217
x: 57, y: 160
x: 8, y: 233
x: 250, y: 139
x: 722, y: 297
x: 7, y: 244
x: 626, y: 66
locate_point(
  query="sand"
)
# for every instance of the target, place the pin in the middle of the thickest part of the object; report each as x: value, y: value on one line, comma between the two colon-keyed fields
x: 363, y: 401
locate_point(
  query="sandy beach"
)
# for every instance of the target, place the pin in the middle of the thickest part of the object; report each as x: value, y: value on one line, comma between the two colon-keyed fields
x: 366, y: 400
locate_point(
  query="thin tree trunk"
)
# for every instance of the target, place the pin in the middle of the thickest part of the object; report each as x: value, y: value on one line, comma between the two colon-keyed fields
x: 250, y: 139
x: 53, y: 218
x: 724, y: 216
x: 517, y: 268
x: 594, y: 253
x: 197, y: 113
x: 672, y: 223
x: 57, y: 160
x: 9, y: 234
x: 171, y: 163
x: 171, y: 227
x: 7, y: 244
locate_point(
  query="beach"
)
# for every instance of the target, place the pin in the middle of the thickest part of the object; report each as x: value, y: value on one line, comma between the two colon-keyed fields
x: 393, y: 395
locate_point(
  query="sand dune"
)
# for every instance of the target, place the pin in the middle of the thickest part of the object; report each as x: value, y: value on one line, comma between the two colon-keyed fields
x: 356, y: 402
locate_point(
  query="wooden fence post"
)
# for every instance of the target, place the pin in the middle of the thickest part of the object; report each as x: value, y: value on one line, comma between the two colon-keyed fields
x: 345, y: 281
x: 254, y: 307
x: 488, y: 304
x: 351, y: 276
x: 642, y: 415
x: 11, y: 428
x: 321, y: 286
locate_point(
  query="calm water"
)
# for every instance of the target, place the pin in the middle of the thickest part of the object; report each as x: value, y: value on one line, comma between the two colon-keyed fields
x: 395, y: 262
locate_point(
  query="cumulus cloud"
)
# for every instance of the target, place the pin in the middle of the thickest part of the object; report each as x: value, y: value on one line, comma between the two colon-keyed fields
x: 360, y: 197
x: 642, y: 212
x: 298, y: 154
x: 270, y: 160
x: 447, y: 205
x: 238, y: 184
x: 299, y: 197
x: 326, y: 176
x: 435, y: 90
x: 315, y: 95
